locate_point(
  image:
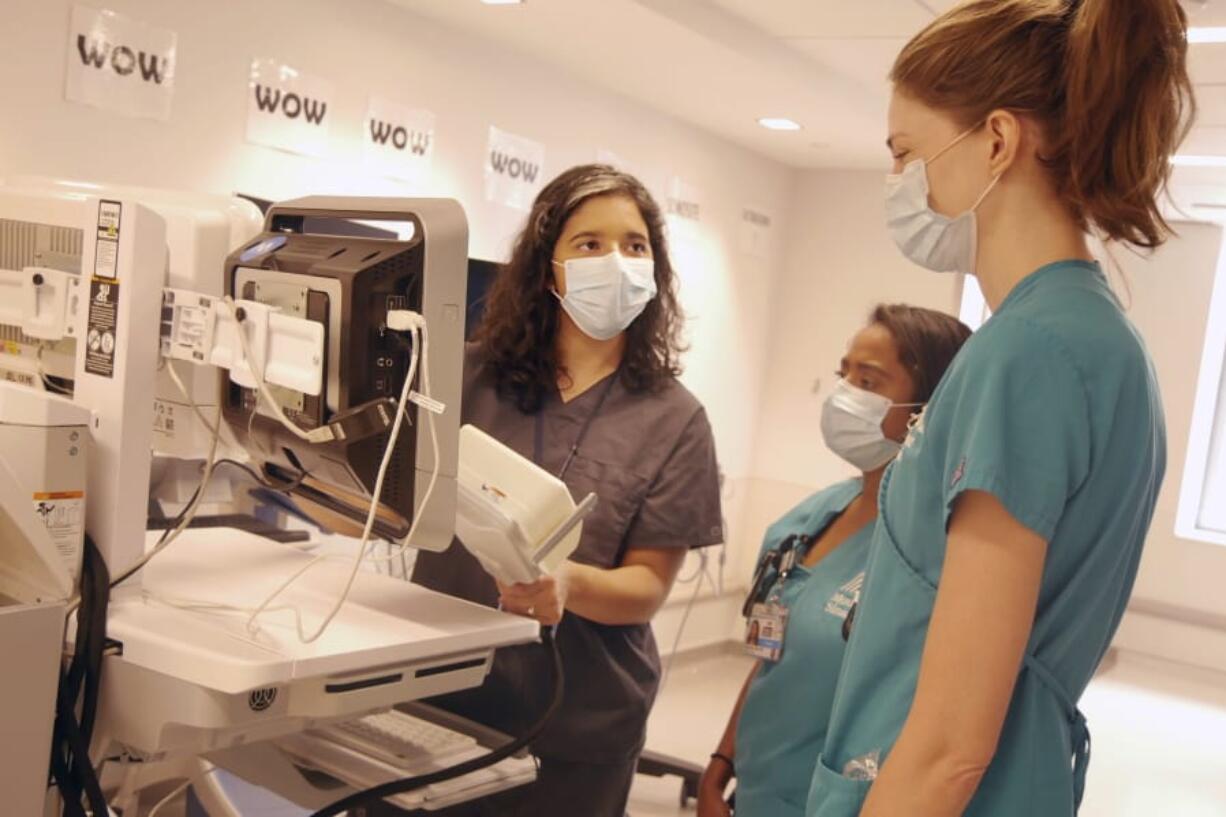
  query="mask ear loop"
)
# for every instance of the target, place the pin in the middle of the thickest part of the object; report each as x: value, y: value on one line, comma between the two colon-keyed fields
x: 956, y: 140
x: 984, y: 194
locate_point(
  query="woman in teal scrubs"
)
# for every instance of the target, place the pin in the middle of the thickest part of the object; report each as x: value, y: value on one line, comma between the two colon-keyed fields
x: 1011, y: 526
x: 812, y: 566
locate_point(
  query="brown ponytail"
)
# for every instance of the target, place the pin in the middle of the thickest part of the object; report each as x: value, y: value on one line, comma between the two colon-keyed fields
x: 1107, y: 80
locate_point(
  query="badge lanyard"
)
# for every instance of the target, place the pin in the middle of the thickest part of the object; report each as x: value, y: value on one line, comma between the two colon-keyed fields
x: 538, y: 444
x: 767, y: 617
x: 782, y: 560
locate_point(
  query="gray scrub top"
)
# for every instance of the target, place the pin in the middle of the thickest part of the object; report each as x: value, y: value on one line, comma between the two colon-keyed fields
x: 650, y: 458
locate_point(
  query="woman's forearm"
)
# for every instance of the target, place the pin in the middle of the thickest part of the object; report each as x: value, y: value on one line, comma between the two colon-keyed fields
x: 631, y: 594
x: 982, y: 619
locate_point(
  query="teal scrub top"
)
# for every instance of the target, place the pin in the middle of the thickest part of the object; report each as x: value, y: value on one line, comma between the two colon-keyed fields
x: 783, y: 720
x: 1053, y: 408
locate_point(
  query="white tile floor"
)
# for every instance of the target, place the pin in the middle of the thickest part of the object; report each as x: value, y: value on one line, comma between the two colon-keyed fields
x: 1159, y: 736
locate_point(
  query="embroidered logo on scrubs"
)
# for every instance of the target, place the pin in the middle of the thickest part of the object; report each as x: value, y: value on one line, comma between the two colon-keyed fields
x: 840, y: 603
x: 959, y: 473
x: 915, y: 428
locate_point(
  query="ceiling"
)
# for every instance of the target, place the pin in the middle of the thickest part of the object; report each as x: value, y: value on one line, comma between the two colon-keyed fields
x: 723, y: 64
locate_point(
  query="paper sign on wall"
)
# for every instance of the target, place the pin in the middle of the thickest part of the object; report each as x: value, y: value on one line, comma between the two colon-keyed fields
x: 756, y: 226
x: 287, y: 109
x: 684, y: 200
x: 120, y: 64
x: 398, y: 141
x: 514, y: 169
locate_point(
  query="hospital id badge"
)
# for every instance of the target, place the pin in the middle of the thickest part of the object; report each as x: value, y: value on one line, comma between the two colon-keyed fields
x: 764, y: 636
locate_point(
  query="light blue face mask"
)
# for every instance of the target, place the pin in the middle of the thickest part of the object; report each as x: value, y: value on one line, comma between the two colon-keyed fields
x: 604, y: 294
x: 934, y: 241
x: 851, y: 426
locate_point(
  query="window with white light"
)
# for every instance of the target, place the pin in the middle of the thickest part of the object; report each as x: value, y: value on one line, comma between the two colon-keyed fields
x: 974, y: 310
x: 1202, y: 495
x: 1201, y: 513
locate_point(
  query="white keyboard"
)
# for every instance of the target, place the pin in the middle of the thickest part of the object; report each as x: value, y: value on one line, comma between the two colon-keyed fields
x: 401, y: 740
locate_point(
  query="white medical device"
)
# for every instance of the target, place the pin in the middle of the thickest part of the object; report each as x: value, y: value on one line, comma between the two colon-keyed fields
x: 517, y: 519
x: 102, y: 276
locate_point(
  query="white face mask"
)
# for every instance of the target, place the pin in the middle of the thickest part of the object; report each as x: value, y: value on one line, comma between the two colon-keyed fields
x: 604, y: 294
x: 851, y: 426
x: 934, y: 241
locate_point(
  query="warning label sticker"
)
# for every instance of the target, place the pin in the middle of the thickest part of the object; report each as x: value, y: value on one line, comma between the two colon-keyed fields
x: 108, y: 219
x: 106, y: 254
x: 103, y: 319
x: 17, y: 376
x: 63, y: 514
x: 106, y: 260
x: 164, y: 418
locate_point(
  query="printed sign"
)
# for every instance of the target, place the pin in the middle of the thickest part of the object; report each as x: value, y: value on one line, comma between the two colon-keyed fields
x: 106, y: 254
x: 165, y: 419
x: 684, y: 200
x: 120, y: 64
x: 287, y: 109
x: 398, y: 141
x: 514, y: 170
x: 100, y: 337
x: 755, y: 231
x: 104, y: 292
x: 63, y: 514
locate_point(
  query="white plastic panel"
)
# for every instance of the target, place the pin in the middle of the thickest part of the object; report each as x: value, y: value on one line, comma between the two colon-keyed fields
x: 289, y: 351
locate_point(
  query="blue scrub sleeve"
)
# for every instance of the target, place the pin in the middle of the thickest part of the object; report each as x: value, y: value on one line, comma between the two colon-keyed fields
x: 1019, y: 425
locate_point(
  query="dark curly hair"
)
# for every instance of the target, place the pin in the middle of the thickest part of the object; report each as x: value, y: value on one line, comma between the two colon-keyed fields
x: 517, y: 335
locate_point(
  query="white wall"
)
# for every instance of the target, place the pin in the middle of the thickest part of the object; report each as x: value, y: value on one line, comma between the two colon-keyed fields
x: 840, y: 262
x: 368, y: 47
x: 763, y: 329
x: 1178, y: 609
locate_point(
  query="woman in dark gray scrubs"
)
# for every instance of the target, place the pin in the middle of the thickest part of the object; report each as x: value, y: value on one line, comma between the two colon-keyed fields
x: 575, y: 365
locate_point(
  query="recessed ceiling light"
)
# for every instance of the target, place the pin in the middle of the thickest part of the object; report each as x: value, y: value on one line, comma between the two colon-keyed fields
x: 778, y: 123
x: 1207, y: 34
x: 502, y: 2
x: 1188, y: 160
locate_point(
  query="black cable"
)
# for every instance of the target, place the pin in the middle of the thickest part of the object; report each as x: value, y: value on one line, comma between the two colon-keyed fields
x: 70, y: 793
x: 81, y: 681
x: 83, y: 772
x: 97, y: 640
x: 283, y: 487
x: 396, y: 787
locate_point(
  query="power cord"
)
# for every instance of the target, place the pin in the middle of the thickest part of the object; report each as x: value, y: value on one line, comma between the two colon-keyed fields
x: 415, y: 325
x: 395, y: 787
x: 398, y: 552
x: 72, y: 771
x: 193, y: 506
x: 699, y: 574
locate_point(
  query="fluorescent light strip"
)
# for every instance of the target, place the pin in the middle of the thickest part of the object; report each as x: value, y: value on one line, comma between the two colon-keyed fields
x: 502, y: 2
x: 778, y: 123
x: 1188, y: 160
x: 1207, y: 34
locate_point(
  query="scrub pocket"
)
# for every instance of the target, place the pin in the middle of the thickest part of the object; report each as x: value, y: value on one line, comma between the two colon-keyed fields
x: 880, y: 672
x: 834, y: 795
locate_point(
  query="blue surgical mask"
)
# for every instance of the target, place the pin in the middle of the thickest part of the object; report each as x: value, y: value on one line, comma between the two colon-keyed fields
x: 934, y: 241
x: 851, y: 426
x: 604, y: 294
